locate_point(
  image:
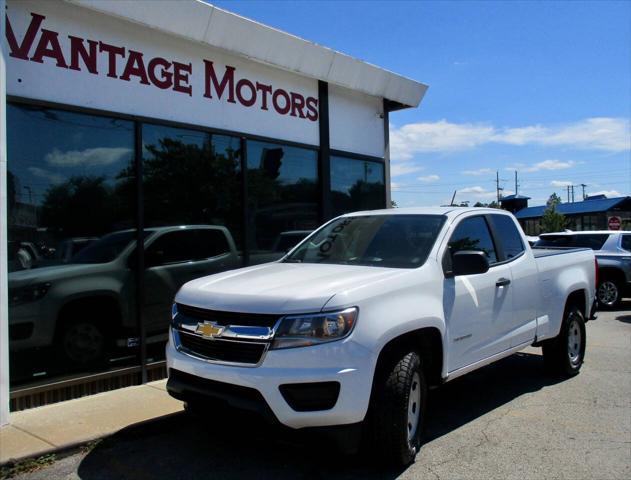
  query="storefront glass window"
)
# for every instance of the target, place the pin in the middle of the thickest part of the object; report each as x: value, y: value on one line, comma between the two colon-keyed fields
x: 71, y: 227
x: 356, y: 185
x: 192, y: 206
x: 283, y: 198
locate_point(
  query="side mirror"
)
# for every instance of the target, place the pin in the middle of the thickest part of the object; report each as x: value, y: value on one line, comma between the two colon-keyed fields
x: 469, y: 262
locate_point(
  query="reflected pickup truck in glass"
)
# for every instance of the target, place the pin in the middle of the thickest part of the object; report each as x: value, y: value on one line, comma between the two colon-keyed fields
x: 86, y: 306
x: 347, y: 332
x: 613, y: 252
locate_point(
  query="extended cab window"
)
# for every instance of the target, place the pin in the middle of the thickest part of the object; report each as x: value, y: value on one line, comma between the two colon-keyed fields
x: 626, y: 242
x: 508, y: 234
x: 473, y: 234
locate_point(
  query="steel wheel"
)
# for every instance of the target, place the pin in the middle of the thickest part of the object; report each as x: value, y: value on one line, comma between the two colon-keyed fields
x: 608, y: 293
x: 414, y: 407
x: 574, y: 342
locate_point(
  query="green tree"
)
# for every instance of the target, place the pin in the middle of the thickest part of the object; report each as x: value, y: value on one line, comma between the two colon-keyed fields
x: 553, y: 221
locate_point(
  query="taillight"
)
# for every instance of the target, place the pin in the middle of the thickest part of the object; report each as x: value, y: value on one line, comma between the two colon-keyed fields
x: 597, y: 273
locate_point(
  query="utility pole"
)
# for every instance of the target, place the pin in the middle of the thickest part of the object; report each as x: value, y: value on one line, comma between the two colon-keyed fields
x: 568, y: 194
x: 583, y: 186
x: 497, y: 185
x: 516, y: 183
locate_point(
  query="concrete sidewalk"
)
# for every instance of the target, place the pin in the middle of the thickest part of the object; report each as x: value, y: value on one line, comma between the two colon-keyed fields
x: 69, y: 424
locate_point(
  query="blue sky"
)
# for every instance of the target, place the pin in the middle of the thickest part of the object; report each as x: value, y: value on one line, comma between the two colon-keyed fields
x: 543, y: 88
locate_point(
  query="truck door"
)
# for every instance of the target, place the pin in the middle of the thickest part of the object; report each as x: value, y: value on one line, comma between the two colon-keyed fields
x: 525, y: 284
x: 477, y: 307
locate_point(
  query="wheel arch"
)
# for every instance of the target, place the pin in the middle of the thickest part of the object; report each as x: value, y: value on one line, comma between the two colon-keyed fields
x: 426, y: 341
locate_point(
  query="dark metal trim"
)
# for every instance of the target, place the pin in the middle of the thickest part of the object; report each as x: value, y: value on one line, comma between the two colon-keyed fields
x: 140, y: 248
x: 387, y: 180
x: 245, y: 207
x: 324, y: 160
x: 27, y: 391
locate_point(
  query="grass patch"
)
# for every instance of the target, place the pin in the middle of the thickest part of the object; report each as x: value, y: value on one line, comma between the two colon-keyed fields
x: 11, y: 470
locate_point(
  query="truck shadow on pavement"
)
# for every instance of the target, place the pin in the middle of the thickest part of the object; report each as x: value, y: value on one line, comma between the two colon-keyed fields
x: 235, y: 445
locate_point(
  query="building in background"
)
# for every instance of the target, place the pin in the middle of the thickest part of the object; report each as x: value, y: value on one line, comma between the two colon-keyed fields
x: 595, y: 213
x: 125, y: 121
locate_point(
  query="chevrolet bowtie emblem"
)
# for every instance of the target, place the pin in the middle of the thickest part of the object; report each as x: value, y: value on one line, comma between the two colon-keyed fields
x: 209, y: 330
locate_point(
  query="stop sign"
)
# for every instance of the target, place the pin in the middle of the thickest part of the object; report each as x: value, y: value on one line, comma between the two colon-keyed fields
x: 614, y: 223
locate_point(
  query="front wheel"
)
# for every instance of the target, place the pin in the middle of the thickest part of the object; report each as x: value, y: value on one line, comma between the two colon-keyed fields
x: 564, y: 354
x: 397, y: 410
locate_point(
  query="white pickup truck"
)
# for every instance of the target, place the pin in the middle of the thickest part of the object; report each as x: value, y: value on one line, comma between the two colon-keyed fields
x: 352, y: 326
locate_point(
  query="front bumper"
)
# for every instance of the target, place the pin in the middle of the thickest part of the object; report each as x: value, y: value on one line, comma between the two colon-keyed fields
x: 345, y: 362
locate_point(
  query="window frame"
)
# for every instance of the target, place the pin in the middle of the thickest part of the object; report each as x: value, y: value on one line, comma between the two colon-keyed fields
x: 500, y: 244
x: 446, y: 260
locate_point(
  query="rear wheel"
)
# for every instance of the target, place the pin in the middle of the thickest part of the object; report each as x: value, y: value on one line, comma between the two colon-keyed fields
x: 397, y: 410
x: 564, y: 354
x: 609, y: 293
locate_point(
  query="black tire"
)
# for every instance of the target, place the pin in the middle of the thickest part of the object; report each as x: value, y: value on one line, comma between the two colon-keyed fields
x: 389, y: 424
x: 564, y: 354
x: 609, y: 293
x: 82, y: 343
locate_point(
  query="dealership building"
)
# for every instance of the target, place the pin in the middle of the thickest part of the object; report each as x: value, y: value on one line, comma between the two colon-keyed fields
x: 145, y: 145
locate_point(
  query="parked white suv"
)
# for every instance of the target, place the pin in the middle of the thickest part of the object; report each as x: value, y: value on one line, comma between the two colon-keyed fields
x: 350, y: 328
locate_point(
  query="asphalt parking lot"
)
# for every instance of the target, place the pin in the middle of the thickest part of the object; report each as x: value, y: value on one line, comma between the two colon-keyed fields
x: 505, y: 421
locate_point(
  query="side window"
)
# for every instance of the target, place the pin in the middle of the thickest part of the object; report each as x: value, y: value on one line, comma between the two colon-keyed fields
x: 626, y: 242
x: 473, y: 234
x: 506, y: 230
x: 210, y: 244
x: 171, y: 247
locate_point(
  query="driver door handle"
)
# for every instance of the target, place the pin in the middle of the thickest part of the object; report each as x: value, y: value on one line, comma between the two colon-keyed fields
x: 502, y: 282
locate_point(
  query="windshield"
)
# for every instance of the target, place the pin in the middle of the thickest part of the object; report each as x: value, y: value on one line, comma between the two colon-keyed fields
x: 105, y: 249
x: 398, y: 241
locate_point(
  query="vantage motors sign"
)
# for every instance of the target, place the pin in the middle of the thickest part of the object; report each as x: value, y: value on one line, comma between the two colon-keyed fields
x: 63, y: 53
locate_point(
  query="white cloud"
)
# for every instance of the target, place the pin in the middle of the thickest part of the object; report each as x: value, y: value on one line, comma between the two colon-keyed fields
x: 90, y: 157
x: 52, y: 177
x: 436, y: 137
x: 429, y: 178
x: 544, y: 165
x: 477, y: 192
x: 560, y: 183
x: 607, y: 193
x: 403, y: 168
x: 478, y: 172
x: 601, y: 133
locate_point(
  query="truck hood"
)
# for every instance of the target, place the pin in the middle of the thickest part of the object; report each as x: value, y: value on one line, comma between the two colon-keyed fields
x: 280, y: 288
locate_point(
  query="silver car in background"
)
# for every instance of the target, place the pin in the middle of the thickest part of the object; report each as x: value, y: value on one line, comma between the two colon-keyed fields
x: 613, y: 252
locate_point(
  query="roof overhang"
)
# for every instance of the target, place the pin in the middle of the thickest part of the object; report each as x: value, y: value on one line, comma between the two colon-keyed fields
x: 204, y: 23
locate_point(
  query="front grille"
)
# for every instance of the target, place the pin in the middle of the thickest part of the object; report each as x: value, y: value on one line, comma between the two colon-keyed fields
x: 228, y: 318
x: 222, y: 350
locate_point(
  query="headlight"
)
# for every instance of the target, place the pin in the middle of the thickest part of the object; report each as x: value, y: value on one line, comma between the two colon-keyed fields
x: 305, y: 330
x: 32, y: 293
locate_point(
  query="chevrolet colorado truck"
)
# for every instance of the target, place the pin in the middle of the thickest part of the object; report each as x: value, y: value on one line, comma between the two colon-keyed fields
x: 350, y: 328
